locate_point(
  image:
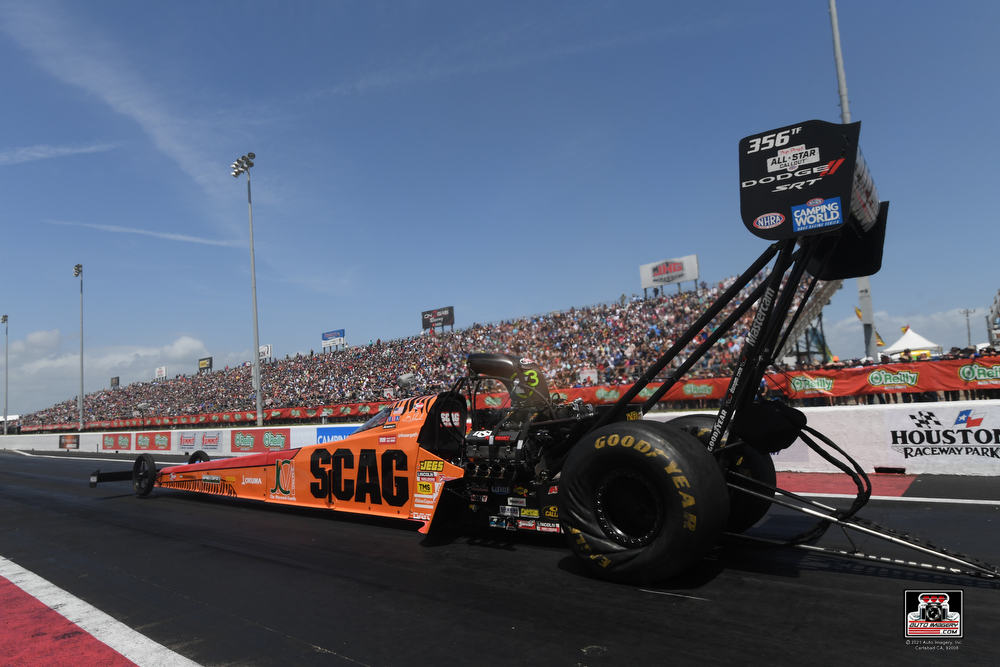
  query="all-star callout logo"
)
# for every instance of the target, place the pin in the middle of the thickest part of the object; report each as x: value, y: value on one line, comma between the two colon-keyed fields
x: 981, y: 375
x: 889, y: 380
x: 933, y: 613
x: 803, y: 383
x: 928, y: 436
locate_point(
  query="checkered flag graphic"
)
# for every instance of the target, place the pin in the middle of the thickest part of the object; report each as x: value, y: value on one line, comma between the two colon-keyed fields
x: 924, y: 419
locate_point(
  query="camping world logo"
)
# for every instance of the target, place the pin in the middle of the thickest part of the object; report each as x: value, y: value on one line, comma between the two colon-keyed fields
x: 284, y: 480
x: 933, y: 613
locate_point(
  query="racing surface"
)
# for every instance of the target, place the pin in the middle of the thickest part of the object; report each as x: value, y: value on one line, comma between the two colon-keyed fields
x: 230, y: 582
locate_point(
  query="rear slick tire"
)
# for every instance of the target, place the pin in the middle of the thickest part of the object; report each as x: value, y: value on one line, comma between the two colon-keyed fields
x: 641, y: 501
x: 744, y: 510
x: 143, y: 475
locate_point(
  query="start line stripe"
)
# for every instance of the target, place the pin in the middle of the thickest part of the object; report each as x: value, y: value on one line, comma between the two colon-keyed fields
x: 138, y: 648
x: 906, y: 499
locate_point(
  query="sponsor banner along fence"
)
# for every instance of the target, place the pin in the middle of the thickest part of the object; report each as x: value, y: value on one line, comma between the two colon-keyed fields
x: 948, y: 375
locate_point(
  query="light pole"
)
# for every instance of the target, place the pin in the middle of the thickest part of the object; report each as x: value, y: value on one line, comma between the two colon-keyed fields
x: 3, y: 321
x: 242, y: 166
x: 78, y: 272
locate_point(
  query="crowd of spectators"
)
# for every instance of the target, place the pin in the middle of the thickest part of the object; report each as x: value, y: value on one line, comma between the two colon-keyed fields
x: 612, y: 343
x: 605, y: 344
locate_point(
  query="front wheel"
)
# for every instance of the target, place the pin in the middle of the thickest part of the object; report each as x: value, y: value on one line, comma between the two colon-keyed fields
x: 143, y: 475
x: 641, y: 501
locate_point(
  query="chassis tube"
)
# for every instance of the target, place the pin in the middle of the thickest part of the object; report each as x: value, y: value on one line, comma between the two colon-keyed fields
x: 688, y: 336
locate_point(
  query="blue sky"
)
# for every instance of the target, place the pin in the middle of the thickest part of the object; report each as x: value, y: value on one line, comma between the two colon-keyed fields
x: 504, y: 158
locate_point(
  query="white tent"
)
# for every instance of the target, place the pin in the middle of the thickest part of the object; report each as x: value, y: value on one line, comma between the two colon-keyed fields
x: 913, y: 342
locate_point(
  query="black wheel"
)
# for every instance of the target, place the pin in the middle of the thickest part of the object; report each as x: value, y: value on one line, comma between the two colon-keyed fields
x: 198, y: 457
x: 640, y: 501
x: 143, y: 475
x: 744, y: 510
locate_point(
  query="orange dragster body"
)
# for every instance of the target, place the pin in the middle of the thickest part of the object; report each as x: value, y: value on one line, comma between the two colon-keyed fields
x: 382, y: 469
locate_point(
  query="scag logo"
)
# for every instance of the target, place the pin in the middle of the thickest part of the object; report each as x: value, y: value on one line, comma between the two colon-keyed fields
x: 335, y: 475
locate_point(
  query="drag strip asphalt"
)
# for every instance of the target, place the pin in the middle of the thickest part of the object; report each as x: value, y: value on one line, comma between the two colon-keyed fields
x: 231, y: 582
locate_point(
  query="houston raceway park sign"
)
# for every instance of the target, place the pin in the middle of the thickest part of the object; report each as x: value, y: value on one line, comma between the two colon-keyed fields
x: 943, y: 432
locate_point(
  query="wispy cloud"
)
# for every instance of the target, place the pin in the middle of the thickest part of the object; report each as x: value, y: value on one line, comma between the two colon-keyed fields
x: 44, y: 152
x: 145, y: 232
x: 79, y: 55
x: 484, y: 53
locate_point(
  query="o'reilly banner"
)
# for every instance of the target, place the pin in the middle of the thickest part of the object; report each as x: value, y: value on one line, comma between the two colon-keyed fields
x: 669, y: 271
x: 439, y: 317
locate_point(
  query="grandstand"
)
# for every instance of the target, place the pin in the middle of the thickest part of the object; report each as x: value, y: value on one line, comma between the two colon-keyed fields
x: 606, y: 344
x: 617, y: 340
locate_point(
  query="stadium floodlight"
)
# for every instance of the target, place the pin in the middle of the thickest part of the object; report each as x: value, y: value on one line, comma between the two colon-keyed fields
x: 242, y: 166
x: 3, y: 321
x: 78, y: 273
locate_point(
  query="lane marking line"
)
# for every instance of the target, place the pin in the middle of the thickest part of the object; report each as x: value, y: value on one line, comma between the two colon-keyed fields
x: 137, y: 647
x: 674, y: 595
x: 906, y: 499
x: 80, y: 458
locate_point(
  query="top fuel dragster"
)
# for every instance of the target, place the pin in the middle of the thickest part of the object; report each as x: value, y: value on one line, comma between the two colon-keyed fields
x: 637, y: 499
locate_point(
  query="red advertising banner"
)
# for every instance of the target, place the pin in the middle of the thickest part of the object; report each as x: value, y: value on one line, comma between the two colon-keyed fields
x: 260, y: 439
x: 157, y: 441
x: 117, y: 441
x: 916, y: 377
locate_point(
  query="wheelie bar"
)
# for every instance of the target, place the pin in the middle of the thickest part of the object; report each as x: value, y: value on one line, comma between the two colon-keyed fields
x: 976, y: 567
x: 97, y: 477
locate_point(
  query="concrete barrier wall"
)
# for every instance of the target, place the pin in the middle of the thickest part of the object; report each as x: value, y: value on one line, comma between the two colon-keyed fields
x: 221, y: 442
x: 952, y: 438
x: 949, y: 438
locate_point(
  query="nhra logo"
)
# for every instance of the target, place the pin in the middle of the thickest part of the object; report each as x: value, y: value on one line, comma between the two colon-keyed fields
x: 768, y: 221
